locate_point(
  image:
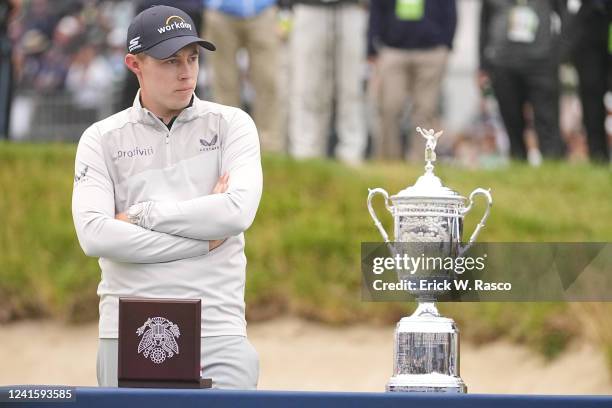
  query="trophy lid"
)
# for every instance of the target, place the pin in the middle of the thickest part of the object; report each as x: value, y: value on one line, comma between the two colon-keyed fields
x: 428, y: 185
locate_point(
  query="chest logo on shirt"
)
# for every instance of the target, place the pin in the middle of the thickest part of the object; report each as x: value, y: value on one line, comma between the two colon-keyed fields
x: 158, y: 339
x: 136, y: 152
x: 208, y: 145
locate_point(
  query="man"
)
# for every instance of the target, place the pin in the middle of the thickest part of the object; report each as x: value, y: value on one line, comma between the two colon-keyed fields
x: 327, y: 74
x: 163, y: 192
x: 408, y: 43
x: 237, y: 24
x: 590, y: 38
x: 519, y: 52
x: 7, y: 10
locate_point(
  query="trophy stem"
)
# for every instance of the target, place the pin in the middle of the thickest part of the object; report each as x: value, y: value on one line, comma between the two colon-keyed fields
x: 426, y: 307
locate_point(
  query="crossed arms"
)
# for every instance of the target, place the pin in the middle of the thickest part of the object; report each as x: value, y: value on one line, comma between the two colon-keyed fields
x: 173, y: 229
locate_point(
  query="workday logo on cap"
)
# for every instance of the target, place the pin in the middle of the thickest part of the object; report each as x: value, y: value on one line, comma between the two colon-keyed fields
x: 174, y: 23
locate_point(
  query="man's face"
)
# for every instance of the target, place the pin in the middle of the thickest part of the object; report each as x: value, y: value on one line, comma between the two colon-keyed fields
x: 169, y: 83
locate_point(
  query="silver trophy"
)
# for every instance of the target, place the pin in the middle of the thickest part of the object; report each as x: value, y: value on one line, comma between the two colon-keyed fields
x: 428, y: 217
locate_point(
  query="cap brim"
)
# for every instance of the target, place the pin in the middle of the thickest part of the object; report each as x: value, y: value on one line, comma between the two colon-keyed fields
x: 171, y: 46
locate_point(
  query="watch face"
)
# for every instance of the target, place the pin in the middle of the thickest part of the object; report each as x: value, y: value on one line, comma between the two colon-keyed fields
x: 134, y: 212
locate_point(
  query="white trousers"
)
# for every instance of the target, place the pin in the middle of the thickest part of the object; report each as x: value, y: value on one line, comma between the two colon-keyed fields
x: 328, y: 62
x: 231, y: 362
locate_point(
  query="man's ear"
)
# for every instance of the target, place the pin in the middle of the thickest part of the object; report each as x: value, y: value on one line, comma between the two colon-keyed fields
x: 133, y: 63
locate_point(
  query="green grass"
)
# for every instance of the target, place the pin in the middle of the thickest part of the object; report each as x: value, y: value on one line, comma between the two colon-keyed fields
x: 304, y: 246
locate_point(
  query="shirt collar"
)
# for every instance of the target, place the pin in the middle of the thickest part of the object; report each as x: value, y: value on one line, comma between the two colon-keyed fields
x: 146, y: 116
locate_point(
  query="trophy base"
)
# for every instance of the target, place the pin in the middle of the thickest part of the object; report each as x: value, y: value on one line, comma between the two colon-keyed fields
x: 426, y: 353
x: 426, y: 383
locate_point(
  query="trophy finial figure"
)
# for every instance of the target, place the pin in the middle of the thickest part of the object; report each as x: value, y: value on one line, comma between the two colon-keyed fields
x: 431, y: 138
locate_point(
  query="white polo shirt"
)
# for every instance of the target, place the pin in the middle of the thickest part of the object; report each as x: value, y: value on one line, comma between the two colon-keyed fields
x: 132, y: 157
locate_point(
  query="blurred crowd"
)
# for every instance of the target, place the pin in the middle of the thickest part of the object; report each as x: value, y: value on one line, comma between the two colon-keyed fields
x: 69, y: 45
x: 511, y: 79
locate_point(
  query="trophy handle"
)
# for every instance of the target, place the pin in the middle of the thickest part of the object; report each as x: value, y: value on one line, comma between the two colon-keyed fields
x: 372, y: 193
x: 481, y: 224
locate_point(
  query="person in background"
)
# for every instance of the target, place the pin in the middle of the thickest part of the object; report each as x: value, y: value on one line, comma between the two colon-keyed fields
x: 408, y: 45
x: 39, y: 16
x: 519, y: 54
x: 328, y: 68
x: 590, y: 50
x: 7, y: 11
x: 89, y: 77
x: 250, y: 25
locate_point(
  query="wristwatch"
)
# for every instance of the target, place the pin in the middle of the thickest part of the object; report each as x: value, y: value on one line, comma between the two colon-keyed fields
x: 136, y: 212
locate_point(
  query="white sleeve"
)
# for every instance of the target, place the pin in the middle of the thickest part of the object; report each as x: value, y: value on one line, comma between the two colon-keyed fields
x: 218, y: 216
x: 93, y: 213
